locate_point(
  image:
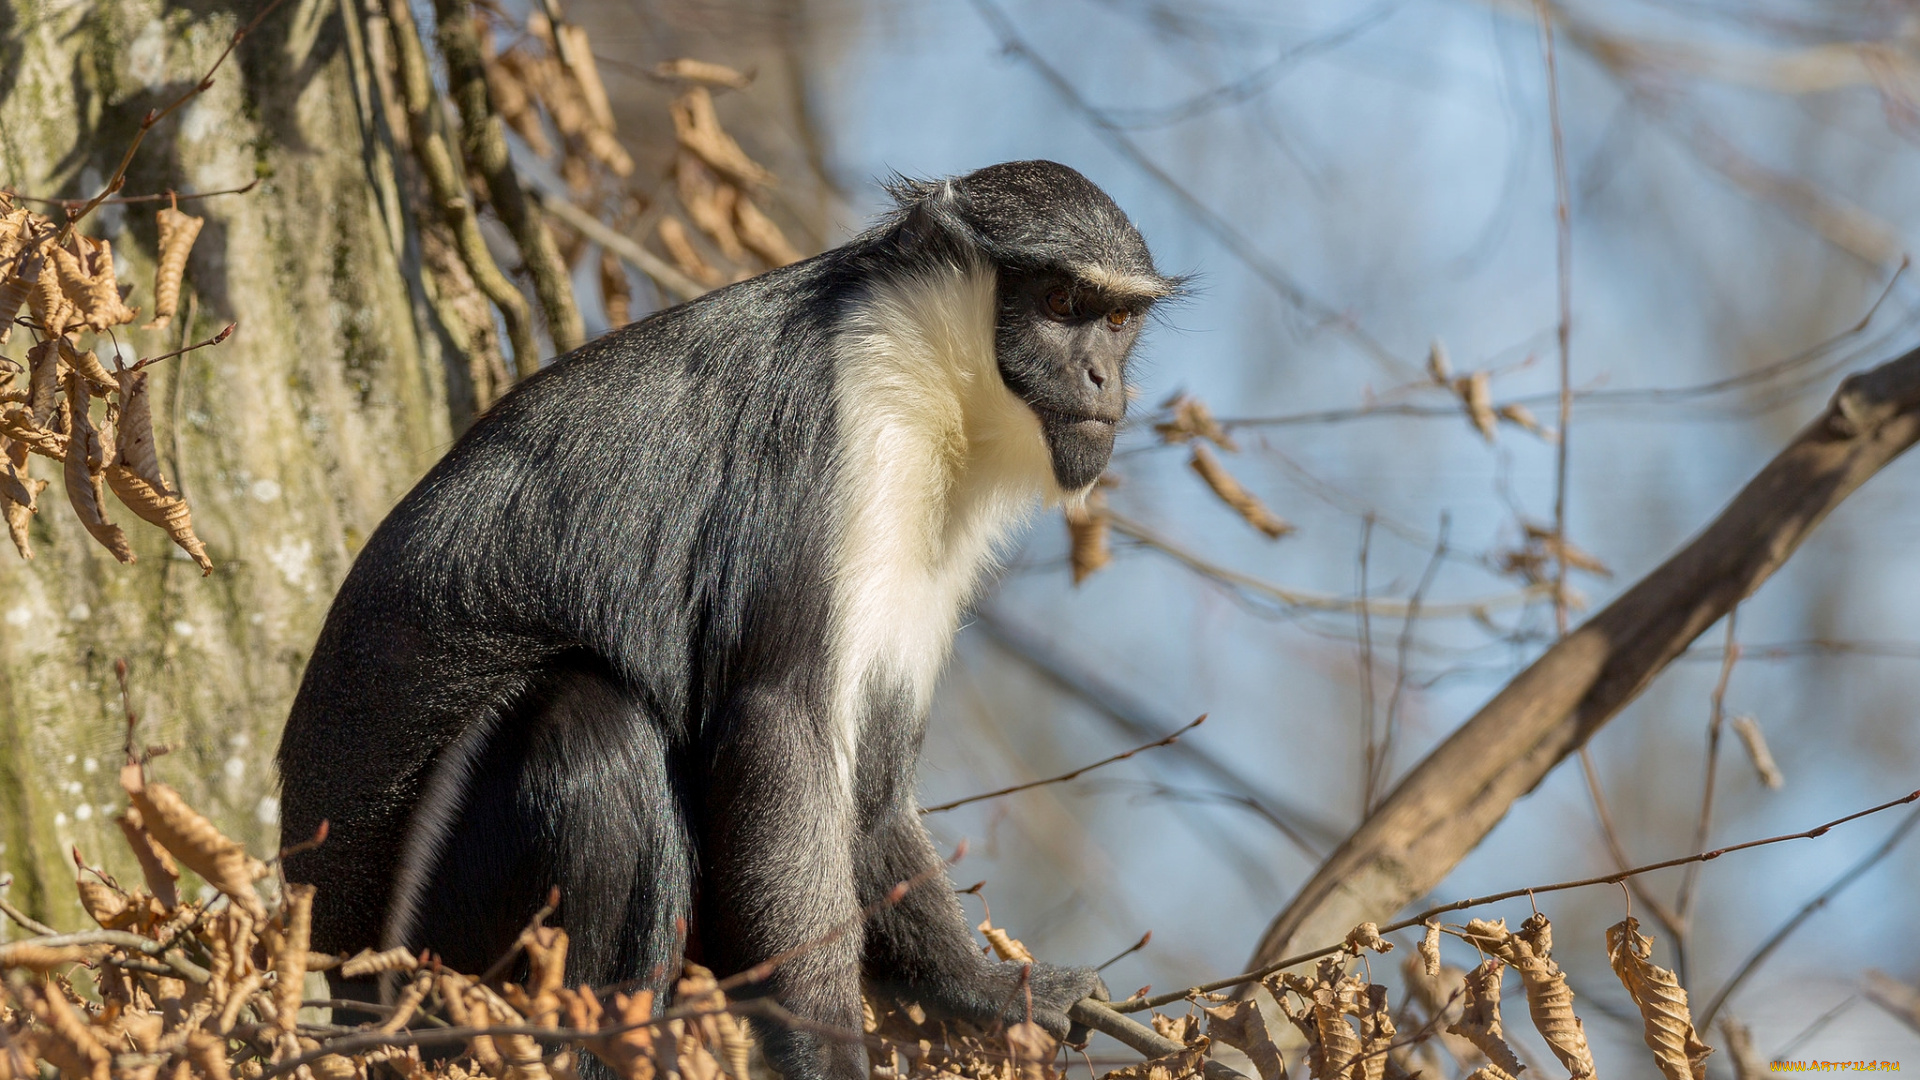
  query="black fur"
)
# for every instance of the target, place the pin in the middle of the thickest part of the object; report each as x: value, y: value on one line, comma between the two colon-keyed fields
x: 612, y: 597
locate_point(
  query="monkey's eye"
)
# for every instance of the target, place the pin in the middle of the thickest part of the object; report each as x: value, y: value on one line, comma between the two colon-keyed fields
x: 1060, y: 304
x: 1119, y: 317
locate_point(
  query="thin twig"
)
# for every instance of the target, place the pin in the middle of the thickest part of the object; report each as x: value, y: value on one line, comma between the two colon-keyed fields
x: 1716, y: 719
x: 1563, y: 265
x: 1128, y: 951
x: 1064, y: 777
x: 1369, y: 766
x: 673, y: 282
x: 22, y: 917
x: 214, y: 340
x: 1401, y: 651
x: 1774, y: 940
x: 128, y: 200
x: 1139, y: 1003
x: 152, y: 118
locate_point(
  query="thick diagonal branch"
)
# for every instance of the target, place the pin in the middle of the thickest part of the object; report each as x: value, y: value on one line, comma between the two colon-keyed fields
x: 484, y: 141
x: 1453, y: 798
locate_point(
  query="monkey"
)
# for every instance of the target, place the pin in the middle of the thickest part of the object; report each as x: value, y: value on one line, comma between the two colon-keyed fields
x: 662, y: 628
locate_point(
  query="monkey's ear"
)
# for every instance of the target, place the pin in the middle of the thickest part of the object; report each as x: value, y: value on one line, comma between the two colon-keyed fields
x: 929, y: 215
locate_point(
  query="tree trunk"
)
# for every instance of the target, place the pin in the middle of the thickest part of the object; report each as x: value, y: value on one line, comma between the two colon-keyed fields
x: 290, y: 440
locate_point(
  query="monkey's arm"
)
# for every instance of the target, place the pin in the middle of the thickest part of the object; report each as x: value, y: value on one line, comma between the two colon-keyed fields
x: 777, y: 855
x: 921, y: 949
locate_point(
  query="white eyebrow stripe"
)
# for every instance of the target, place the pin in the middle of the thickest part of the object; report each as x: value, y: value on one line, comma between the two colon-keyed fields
x: 1124, y: 283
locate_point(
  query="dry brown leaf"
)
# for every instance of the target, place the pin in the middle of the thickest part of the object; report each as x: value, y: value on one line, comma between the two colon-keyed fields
x: 195, y: 841
x: 39, y: 958
x: 511, y: 78
x: 697, y: 126
x: 17, y: 486
x: 13, y: 294
x: 1367, y: 936
x: 104, y: 903
x: 761, y: 235
x: 1191, y: 419
x: 84, y: 491
x: 177, y: 233
x: 1755, y: 743
x: 710, y: 203
x: 1522, y: 417
x: 1230, y: 491
x: 1004, y: 945
x: 616, y: 296
x: 136, y: 441
x: 101, y: 303
x: 66, y: 1039
x: 45, y: 368
x: 88, y: 365
x: 1747, y: 1062
x: 702, y: 71
x: 155, y: 864
x: 368, y: 962
x: 1182, y: 1063
x: 1239, y: 1024
x: 1677, y: 1047
x: 289, y: 954
x: 169, y: 512
x: 1439, y: 367
x: 629, y: 1053
x: 1430, y: 949
x: 1476, y: 393
x: 1549, y: 999
x: 1338, y: 1044
x: 1088, y: 531
x: 673, y: 235
x: 1479, y: 1021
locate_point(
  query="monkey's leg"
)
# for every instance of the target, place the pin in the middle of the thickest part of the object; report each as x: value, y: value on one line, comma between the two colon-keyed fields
x: 572, y: 793
x: 777, y: 866
x: 921, y: 949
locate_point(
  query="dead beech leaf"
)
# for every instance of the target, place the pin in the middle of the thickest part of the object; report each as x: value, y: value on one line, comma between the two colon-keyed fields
x: 169, y: 512
x: 155, y: 864
x: 368, y: 962
x: 673, y: 236
x: 39, y: 958
x: 45, y: 367
x: 1755, y: 743
x: 1677, y: 1047
x: 195, y: 841
x: 84, y: 490
x: 1747, y: 1062
x: 1439, y: 367
x: 1367, y: 936
x: 702, y: 71
x: 67, y: 1041
x: 1549, y: 999
x: 136, y: 440
x: 1476, y: 393
x: 761, y: 235
x: 1230, y: 491
x: 1004, y: 945
x: 1240, y: 1025
x: 1182, y: 1063
x: 88, y: 365
x: 710, y: 202
x: 1430, y: 949
x: 1191, y: 419
x: 177, y: 233
x: 697, y: 126
x: 1088, y: 532
x: 1479, y: 1021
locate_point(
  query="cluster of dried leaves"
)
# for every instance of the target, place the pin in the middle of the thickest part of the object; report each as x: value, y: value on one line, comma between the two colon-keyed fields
x: 66, y: 282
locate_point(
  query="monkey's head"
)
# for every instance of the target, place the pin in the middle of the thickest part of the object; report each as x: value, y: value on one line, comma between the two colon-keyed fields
x: 1075, y: 283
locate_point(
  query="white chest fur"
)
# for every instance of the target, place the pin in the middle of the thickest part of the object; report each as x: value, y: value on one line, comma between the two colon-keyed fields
x: 944, y: 461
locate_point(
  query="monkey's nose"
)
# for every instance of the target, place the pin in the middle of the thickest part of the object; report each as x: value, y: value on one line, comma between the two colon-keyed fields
x: 1094, y: 375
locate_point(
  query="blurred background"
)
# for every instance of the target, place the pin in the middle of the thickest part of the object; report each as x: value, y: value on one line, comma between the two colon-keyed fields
x: 1360, y: 190
x: 1350, y: 183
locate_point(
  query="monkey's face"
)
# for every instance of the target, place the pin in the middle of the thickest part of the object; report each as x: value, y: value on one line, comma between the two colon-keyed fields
x: 1063, y: 348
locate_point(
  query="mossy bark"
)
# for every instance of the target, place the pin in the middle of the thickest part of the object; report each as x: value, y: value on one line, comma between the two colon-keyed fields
x: 291, y: 440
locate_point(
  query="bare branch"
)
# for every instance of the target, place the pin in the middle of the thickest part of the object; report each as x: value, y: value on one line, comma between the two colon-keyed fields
x: 1064, y: 777
x: 1453, y: 798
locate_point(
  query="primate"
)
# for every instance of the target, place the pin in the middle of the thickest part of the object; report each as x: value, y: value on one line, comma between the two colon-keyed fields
x: 663, y: 627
